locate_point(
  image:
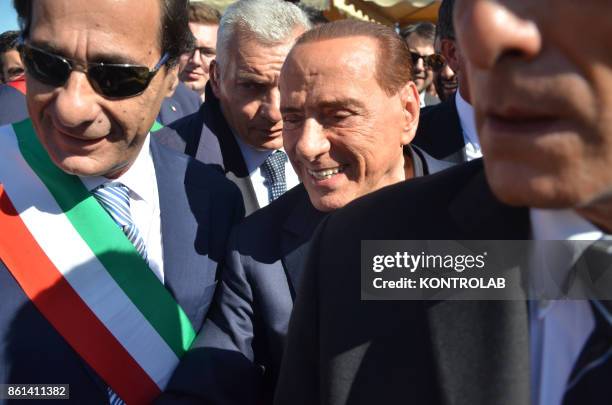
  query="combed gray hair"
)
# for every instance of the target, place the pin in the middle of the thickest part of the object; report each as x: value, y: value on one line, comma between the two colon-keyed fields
x: 269, y: 22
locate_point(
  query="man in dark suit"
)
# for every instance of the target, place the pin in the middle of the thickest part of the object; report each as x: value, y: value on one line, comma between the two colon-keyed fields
x: 354, y: 154
x: 447, y: 131
x: 110, y: 242
x: 181, y: 103
x: 542, y: 179
x: 12, y: 83
x: 239, y: 126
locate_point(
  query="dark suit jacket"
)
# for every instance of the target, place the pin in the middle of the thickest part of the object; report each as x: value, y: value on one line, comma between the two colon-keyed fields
x: 244, y: 337
x: 206, y: 136
x: 342, y: 350
x: 198, y: 208
x: 439, y: 132
x: 182, y: 103
x: 13, y: 106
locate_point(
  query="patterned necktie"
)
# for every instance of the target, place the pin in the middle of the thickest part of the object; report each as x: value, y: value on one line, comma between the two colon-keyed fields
x: 591, y: 379
x: 115, y: 199
x: 273, y: 170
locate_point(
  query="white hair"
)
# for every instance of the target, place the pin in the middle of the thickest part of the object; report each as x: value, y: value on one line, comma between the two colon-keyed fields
x: 269, y: 22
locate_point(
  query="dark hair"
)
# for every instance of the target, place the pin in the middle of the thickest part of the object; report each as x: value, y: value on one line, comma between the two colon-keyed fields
x: 445, y: 28
x: 315, y: 16
x: 176, y: 38
x: 8, y: 42
x: 424, y: 30
x: 201, y: 13
x: 393, y: 62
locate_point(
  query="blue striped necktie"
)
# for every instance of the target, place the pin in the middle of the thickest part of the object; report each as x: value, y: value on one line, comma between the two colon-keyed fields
x: 114, y: 197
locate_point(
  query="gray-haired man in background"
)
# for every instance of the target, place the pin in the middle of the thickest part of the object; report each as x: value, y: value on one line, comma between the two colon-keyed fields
x: 239, y: 127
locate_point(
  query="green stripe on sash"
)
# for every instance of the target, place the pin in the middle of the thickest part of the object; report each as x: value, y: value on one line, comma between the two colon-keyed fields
x: 112, y: 248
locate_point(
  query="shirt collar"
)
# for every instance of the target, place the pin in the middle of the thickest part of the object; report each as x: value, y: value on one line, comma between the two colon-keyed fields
x: 136, y: 178
x: 252, y: 157
x: 562, y: 225
x: 547, y: 225
x: 467, y: 119
x: 422, y: 99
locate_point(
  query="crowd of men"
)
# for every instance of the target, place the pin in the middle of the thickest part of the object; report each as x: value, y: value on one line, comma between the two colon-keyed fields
x: 184, y: 195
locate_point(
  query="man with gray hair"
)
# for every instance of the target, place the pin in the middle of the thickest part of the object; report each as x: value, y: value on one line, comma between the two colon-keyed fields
x: 239, y: 126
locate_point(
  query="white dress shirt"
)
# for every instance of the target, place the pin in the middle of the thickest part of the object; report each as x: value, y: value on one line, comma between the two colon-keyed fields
x: 140, y: 179
x: 468, y: 127
x: 422, y: 99
x: 254, y: 158
x: 559, y: 329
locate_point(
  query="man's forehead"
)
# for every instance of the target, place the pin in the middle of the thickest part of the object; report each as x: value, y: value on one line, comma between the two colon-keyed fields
x: 351, y: 58
x: 107, y: 23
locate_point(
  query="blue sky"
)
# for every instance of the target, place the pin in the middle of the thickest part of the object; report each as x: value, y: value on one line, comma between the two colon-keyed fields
x: 8, y: 17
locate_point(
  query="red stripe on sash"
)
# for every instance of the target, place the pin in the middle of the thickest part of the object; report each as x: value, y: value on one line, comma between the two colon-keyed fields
x: 19, y: 84
x: 66, y: 311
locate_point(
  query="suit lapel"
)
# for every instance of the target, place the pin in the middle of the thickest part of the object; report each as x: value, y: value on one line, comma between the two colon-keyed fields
x: 247, y: 190
x: 219, y: 146
x: 486, y: 342
x: 186, y: 270
x: 295, y: 238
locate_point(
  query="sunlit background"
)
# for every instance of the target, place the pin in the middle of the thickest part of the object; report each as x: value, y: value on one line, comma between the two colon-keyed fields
x: 8, y: 17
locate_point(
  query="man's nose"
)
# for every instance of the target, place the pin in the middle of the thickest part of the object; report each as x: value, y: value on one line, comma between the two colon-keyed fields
x: 270, y: 106
x: 447, y: 72
x: 77, y: 102
x: 312, y: 141
x: 488, y: 30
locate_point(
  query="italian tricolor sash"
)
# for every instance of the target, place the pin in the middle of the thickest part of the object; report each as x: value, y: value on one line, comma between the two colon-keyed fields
x: 83, y: 274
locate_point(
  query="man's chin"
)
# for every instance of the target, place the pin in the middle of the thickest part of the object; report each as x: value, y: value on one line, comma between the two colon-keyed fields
x: 521, y: 188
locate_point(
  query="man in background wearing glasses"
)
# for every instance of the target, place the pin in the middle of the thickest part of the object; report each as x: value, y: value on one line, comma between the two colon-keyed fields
x: 110, y: 242
x: 447, y: 131
x: 420, y: 40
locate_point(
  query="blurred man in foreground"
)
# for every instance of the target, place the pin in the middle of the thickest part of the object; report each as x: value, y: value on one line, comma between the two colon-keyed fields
x: 343, y: 145
x: 12, y: 80
x: 110, y: 242
x: 447, y: 131
x: 239, y: 127
x: 544, y: 113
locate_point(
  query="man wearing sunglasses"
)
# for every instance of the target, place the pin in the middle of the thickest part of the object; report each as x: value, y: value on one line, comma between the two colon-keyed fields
x: 12, y: 82
x: 110, y: 242
x: 420, y: 40
x: 447, y: 131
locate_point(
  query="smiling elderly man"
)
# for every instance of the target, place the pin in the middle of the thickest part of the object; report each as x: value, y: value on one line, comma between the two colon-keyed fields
x: 543, y: 106
x: 110, y: 242
x: 342, y: 145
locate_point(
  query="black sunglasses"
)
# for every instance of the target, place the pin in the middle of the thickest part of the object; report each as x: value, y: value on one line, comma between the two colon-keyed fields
x: 112, y: 81
x: 434, y: 61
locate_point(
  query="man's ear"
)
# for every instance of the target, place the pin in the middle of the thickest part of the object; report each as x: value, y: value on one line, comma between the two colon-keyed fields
x: 172, y: 81
x: 215, y: 78
x: 450, y: 52
x: 411, y: 108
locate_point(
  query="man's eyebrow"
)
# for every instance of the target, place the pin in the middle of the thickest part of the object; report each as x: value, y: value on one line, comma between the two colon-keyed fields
x: 206, y: 49
x: 251, y: 78
x: 341, y: 103
x: 110, y: 58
